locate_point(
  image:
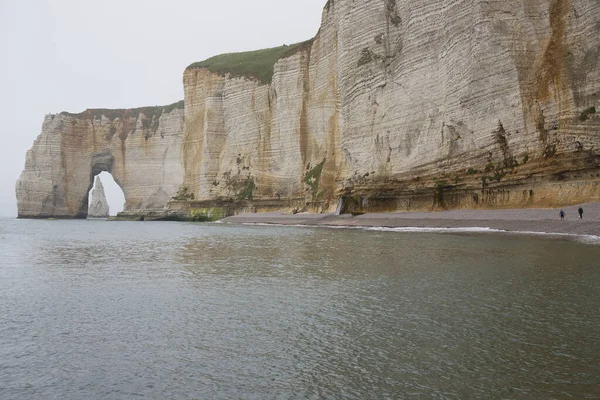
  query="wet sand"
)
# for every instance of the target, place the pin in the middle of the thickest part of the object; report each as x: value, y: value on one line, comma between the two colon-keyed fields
x: 516, y: 220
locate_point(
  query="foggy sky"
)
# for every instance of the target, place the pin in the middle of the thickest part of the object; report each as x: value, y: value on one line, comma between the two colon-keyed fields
x: 69, y: 55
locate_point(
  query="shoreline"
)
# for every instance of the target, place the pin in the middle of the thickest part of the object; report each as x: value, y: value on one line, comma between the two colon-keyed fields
x: 527, y: 221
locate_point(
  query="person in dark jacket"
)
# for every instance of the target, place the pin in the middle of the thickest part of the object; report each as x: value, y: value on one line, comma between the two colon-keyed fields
x: 562, y: 215
x: 580, y: 211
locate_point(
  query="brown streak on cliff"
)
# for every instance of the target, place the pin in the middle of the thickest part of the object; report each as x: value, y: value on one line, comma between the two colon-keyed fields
x: 539, y: 51
x: 550, y: 74
x: 551, y: 71
x: 123, y: 134
x: 263, y: 124
x: 331, y: 169
x: 65, y: 181
x: 304, y: 134
x: 93, y: 136
x: 123, y: 158
x: 194, y: 126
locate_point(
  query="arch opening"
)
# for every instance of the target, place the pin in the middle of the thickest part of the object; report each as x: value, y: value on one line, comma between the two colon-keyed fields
x: 113, y: 196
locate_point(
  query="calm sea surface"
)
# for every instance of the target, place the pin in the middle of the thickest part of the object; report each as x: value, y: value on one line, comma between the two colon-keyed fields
x: 118, y: 310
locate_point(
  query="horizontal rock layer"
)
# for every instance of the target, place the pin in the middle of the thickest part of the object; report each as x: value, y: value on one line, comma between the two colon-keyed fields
x: 395, y: 98
x: 395, y: 104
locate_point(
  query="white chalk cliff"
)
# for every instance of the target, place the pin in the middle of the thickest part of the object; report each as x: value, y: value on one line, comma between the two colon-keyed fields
x: 394, y: 104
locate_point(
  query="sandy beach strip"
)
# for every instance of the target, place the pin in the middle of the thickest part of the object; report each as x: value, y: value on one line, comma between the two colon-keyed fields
x: 514, y: 220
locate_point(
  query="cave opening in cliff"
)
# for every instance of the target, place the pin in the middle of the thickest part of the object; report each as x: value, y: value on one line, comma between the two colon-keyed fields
x: 113, y: 196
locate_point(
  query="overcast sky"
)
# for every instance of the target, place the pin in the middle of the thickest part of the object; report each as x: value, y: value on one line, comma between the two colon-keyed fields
x: 69, y: 55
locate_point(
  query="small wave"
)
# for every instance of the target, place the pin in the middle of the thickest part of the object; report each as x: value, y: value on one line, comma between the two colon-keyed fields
x: 432, y: 229
x: 268, y: 224
x: 589, y: 239
x: 585, y: 239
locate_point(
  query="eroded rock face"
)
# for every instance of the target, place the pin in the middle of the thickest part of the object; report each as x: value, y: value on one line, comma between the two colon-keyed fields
x: 98, y: 207
x: 395, y: 104
x: 396, y: 99
x: 140, y: 148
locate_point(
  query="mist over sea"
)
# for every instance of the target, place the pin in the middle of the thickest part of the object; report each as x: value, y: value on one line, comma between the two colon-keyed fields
x: 121, y: 310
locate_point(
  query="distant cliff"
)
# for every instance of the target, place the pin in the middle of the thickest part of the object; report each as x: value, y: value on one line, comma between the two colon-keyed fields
x: 141, y: 148
x: 394, y: 105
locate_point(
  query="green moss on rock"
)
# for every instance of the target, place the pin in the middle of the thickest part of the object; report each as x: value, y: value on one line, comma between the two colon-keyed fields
x: 239, y: 187
x: 206, y: 214
x: 246, y: 189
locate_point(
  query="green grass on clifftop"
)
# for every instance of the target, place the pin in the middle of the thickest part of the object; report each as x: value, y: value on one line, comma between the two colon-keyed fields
x: 251, y: 64
x: 112, y: 114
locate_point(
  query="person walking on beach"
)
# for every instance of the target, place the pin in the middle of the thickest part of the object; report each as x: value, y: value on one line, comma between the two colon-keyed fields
x: 562, y: 215
x: 580, y: 211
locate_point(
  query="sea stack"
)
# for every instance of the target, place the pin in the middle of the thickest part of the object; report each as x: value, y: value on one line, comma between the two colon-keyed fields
x: 98, y: 205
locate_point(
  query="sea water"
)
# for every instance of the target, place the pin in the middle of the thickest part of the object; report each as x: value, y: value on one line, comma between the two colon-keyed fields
x: 124, y: 310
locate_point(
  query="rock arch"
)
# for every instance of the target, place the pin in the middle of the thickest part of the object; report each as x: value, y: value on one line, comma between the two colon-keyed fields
x: 140, y: 148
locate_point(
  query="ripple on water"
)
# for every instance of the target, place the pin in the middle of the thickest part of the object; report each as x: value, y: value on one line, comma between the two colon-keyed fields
x: 126, y: 310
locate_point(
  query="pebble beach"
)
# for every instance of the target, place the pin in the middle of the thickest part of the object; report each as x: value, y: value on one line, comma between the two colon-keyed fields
x: 513, y: 220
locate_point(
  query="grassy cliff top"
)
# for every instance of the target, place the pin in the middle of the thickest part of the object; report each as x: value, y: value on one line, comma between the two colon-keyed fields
x: 251, y: 64
x: 112, y: 114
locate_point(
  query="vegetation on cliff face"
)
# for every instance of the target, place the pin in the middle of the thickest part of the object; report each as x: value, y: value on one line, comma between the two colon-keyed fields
x: 237, y: 186
x: 587, y: 114
x: 250, y: 64
x: 183, y: 194
x: 312, y: 179
x: 113, y: 114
